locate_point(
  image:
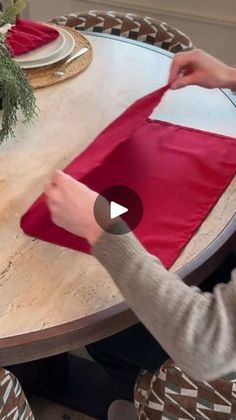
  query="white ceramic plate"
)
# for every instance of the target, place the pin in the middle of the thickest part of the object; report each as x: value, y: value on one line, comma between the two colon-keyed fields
x: 45, y: 52
x: 63, y: 53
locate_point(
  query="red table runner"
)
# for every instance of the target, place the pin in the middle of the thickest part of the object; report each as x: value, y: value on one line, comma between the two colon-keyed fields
x: 178, y: 172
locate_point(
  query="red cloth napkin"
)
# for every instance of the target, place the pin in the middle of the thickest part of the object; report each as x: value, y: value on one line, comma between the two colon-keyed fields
x: 178, y: 172
x: 28, y: 35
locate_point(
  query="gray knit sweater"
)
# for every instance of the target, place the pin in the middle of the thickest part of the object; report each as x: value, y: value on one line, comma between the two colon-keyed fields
x: 197, y: 330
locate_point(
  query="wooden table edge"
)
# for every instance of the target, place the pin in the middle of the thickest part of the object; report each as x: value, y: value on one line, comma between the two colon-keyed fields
x: 65, y: 337
x: 77, y: 333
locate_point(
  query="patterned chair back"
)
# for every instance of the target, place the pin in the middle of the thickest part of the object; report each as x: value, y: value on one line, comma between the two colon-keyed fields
x: 170, y: 394
x: 13, y: 404
x: 144, y: 29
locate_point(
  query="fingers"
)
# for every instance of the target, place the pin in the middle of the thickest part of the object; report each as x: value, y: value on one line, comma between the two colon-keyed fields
x: 53, y: 201
x: 50, y: 190
x: 175, y: 69
x: 60, y: 188
x: 183, y: 81
x: 58, y: 177
x: 184, y: 67
x: 179, y: 63
x: 64, y: 181
x: 53, y: 208
x: 57, y: 181
x: 55, y: 213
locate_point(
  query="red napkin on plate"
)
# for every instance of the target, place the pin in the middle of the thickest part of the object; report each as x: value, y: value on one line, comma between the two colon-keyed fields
x: 178, y: 172
x: 28, y: 35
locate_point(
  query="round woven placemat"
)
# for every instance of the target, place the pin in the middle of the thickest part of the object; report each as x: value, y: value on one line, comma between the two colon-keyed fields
x: 42, y: 77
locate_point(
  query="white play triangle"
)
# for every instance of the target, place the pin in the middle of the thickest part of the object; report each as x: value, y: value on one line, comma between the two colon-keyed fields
x: 116, y: 210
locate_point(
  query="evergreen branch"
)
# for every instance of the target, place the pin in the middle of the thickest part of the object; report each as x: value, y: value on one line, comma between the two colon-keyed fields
x: 12, y: 10
x: 15, y: 91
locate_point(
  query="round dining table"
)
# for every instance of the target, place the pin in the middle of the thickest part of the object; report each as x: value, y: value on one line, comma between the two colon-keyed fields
x: 54, y: 299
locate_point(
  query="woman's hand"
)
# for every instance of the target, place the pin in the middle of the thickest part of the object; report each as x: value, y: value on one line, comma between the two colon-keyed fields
x: 71, y: 206
x: 196, y: 67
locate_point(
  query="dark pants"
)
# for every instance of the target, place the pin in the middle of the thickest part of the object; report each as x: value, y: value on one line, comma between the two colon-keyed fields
x: 124, y: 354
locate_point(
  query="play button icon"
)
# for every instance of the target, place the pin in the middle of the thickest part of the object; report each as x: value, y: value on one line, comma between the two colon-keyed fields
x: 117, y: 210
x: 116, y: 203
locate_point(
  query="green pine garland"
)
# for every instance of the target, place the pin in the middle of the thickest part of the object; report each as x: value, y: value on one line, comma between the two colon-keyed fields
x: 16, y: 93
x: 11, y: 11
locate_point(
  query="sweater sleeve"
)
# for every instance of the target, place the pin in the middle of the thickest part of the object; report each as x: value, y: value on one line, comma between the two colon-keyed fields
x: 197, y: 330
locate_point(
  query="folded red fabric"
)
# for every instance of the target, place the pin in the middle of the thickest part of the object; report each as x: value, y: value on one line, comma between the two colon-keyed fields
x: 28, y: 35
x: 178, y: 172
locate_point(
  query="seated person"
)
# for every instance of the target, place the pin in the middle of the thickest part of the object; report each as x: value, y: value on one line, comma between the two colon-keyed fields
x: 197, y: 330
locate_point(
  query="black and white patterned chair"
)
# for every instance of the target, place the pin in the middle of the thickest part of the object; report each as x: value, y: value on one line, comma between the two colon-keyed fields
x: 144, y: 29
x: 13, y: 404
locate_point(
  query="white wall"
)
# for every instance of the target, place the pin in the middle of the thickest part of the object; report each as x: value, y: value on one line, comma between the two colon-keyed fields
x: 210, y: 23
